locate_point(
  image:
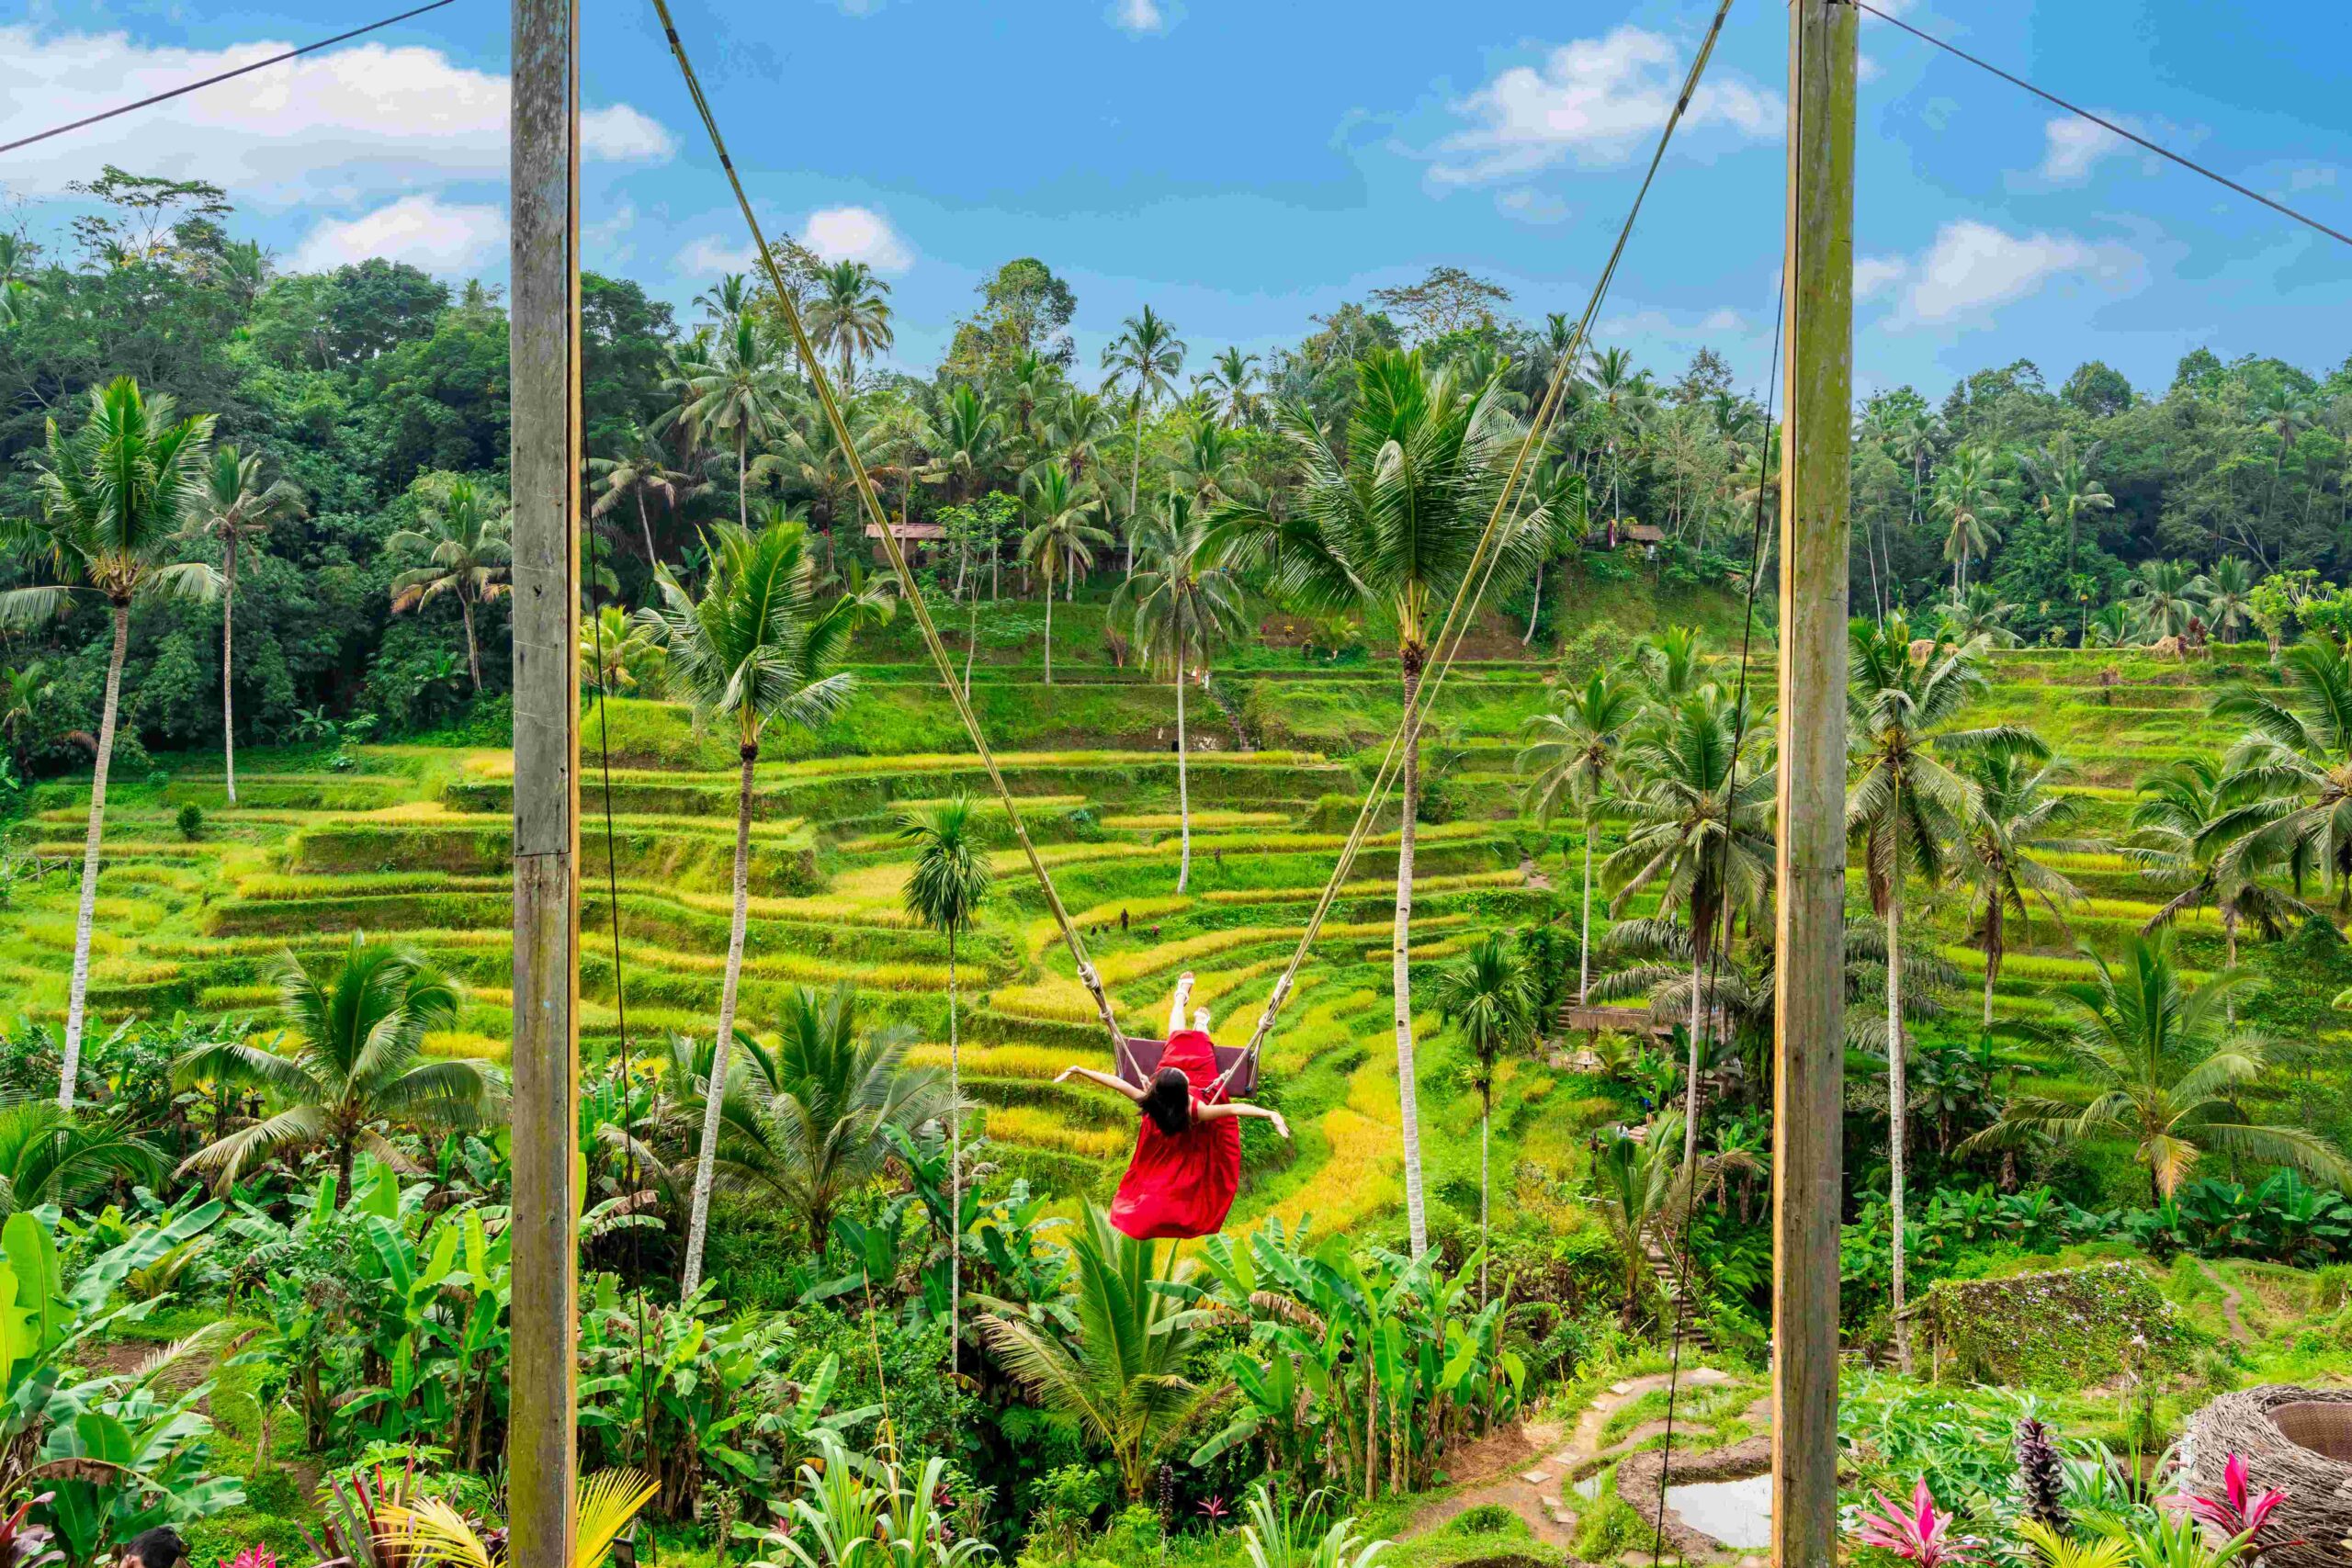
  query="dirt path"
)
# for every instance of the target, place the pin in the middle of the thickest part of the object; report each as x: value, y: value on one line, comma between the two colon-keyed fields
x: 2232, y: 1298
x: 1534, y: 875
x: 1542, y: 1492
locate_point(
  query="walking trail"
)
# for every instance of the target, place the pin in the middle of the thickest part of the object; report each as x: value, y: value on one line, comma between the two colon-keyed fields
x: 1498, y: 1469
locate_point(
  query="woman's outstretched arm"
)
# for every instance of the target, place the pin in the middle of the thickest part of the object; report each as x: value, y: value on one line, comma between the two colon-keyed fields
x: 1243, y: 1108
x: 1107, y: 1080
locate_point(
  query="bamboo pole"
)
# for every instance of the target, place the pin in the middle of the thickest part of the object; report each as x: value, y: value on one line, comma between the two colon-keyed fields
x: 545, y: 351
x: 1811, y: 908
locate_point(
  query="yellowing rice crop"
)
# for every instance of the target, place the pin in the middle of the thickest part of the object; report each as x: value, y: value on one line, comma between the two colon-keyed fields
x: 1037, y: 1062
x: 1039, y: 1130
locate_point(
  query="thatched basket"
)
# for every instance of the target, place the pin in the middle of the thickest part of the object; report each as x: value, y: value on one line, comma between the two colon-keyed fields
x: 2298, y: 1440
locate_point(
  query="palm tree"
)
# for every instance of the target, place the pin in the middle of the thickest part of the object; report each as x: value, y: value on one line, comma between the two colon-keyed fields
x: 48, y: 1154
x: 2016, y: 817
x: 1981, y: 612
x: 2167, y: 1071
x: 2289, y: 784
x: 23, y: 694
x: 1967, y: 500
x: 1234, y: 374
x: 2068, y: 490
x: 2229, y: 598
x: 1489, y: 995
x: 614, y: 646
x: 944, y: 891
x: 2185, y: 831
x: 1619, y: 390
x: 1572, y: 759
x: 1123, y: 1377
x: 757, y: 648
x: 1147, y: 355
x: 2165, y: 596
x: 464, y: 531
x: 112, y: 496
x: 641, y: 469
x: 811, y: 1123
x: 1567, y: 513
x: 737, y: 395
x: 1908, y: 806
x: 1062, y: 538
x: 851, y: 315
x: 232, y: 507
x: 1180, y: 606
x: 1205, y: 461
x: 1391, y: 530
x: 357, y: 1064
x: 1642, y: 1196
x: 969, y: 442
x: 1698, y: 818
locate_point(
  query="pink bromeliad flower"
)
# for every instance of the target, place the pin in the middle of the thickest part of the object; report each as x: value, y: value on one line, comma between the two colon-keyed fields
x: 2239, y: 1511
x: 1921, y: 1534
x: 253, y: 1556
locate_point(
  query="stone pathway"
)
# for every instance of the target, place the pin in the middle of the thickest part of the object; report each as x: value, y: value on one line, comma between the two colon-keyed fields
x: 1543, y: 1494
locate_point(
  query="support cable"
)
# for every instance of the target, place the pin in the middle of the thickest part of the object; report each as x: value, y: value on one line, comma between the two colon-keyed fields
x: 2191, y: 165
x: 223, y: 76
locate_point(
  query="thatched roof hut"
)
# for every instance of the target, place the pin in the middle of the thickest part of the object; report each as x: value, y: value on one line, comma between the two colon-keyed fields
x: 2298, y: 1440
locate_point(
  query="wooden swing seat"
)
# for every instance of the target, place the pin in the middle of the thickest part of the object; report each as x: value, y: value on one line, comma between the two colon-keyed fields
x: 1139, y: 1058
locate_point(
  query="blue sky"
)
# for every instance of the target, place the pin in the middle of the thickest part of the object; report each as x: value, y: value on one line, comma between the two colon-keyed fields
x: 1245, y: 166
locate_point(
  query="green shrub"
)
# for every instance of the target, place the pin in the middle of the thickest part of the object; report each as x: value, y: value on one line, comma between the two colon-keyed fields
x: 190, y: 821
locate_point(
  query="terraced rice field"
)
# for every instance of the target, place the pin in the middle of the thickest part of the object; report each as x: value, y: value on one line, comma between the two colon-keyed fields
x: 415, y: 846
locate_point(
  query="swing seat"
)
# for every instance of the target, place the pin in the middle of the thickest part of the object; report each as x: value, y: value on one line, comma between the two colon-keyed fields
x: 1140, y: 1058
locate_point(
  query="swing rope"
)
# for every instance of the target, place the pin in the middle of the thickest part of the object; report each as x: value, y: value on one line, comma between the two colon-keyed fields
x: 1472, y: 589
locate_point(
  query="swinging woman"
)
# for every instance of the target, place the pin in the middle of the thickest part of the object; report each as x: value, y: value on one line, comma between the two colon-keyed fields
x: 1187, y: 1164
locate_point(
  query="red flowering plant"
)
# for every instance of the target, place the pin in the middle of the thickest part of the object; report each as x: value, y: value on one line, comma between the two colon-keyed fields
x: 2240, y: 1512
x: 1921, y: 1534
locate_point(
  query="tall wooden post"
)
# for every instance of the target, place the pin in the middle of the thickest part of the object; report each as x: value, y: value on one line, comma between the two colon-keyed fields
x: 543, y: 1477
x: 1811, y: 906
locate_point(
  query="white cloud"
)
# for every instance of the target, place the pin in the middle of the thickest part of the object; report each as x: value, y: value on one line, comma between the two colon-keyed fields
x: 438, y: 236
x: 1972, y: 268
x: 1529, y: 205
x: 1138, y: 15
x: 1724, y: 320
x: 605, y: 243
x: 1594, y: 101
x: 856, y: 233
x: 2074, y: 147
x: 709, y: 254
x: 369, y: 118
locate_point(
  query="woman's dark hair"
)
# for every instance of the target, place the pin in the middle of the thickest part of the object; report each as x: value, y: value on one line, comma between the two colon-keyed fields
x: 1169, y: 1100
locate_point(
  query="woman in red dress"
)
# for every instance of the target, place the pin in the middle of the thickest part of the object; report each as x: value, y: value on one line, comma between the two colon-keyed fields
x: 1187, y: 1164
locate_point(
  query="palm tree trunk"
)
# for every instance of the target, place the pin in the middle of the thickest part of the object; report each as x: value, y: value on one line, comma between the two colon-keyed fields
x: 1049, y: 626
x: 345, y: 1156
x: 743, y: 479
x: 228, y: 661
x: 714, y: 1099
x: 1898, y: 1100
x: 1584, y: 936
x: 1183, y: 786
x: 1994, y: 947
x: 971, y: 640
x: 1535, y: 609
x: 954, y: 1173
x: 473, y: 652
x: 1691, y: 1087
x: 1399, y: 963
x: 1135, y: 484
x: 2229, y: 936
x: 72, y: 1067
x: 1486, y: 1117
x: 645, y: 522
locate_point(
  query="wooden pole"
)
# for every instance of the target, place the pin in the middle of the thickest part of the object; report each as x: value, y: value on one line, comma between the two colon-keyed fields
x: 1810, y: 910
x: 543, y: 1467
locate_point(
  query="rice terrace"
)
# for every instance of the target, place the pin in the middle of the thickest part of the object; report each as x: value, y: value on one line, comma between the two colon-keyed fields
x: 1602, y: 822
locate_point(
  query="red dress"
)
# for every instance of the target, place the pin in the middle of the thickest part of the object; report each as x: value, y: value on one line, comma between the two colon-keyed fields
x: 1183, y: 1185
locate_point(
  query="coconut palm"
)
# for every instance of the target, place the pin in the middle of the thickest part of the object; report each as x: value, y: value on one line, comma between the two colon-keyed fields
x: 1123, y: 1377
x: 760, y: 646
x: 1076, y: 424
x: 1968, y: 500
x: 1644, y: 1197
x: 1571, y: 761
x: 49, y: 1154
x: 464, y: 531
x: 1979, y: 613
x: 1620, y: 394
x: 1567, y: 513
x: 2228, y: 599
x: 1234, y: 376
x: 641, y: 469
x: 851, y: 315
x: 2069, y: 492
x: 1206, y: 459
x: 2165, y: 597
x: 1698, y: 811
x: 2289, y: 784
x: 24, y: 695
x: 2184, y: 832
x: 112, y: 496
x: 1392, y: 530
x: 738, y: 395
x: 355, y: 1065
x: 1907, y: 805
x: 968, y: 444
x: 2016, y: 818
x: 2166, y: 1073
x: 944, y: 890
x: 1062, y: 536
x: 809, y: 1124
x: 1180, y: 606
x: 1489, y: 995
x: 1147, y: 356
x: 614, y: 647
x: 232, y: 507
